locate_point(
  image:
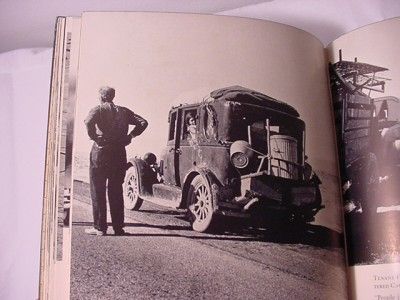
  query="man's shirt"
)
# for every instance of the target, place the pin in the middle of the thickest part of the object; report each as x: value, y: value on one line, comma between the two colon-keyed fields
x: 108, y: 124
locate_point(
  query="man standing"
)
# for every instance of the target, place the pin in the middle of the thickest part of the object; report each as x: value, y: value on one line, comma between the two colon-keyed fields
x: 108, y: 125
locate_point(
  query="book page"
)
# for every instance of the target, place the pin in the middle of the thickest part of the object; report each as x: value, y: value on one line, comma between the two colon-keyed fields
x: 365, y: 83
x: 231, y: 188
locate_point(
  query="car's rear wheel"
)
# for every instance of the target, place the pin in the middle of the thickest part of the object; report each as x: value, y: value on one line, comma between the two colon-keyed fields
x: 200, y: 204
x: 132, y: 199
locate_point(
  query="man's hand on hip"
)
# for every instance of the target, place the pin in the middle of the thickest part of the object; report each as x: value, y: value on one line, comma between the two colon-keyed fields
x: 127, y: 140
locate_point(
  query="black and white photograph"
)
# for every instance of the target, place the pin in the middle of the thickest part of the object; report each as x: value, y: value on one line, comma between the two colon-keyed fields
x: 198, y: 172
x: 365, y: 92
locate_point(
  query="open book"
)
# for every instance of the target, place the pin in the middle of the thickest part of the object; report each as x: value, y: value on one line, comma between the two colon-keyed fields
x: 211, y: 147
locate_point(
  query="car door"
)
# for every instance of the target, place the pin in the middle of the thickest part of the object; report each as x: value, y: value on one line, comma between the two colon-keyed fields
x: 189, y: 143
x: 173, y: 151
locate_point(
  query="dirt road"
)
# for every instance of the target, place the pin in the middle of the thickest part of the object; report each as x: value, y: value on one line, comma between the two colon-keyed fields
x: 163, y: 258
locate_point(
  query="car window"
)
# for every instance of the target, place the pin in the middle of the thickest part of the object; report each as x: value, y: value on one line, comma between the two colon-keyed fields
x: 210, y: 122
x: 172, y: 126
x: 190, y: 126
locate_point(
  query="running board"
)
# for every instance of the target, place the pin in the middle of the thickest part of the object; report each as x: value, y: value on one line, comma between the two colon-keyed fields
x: 164, y: 195
x: 161, y: 202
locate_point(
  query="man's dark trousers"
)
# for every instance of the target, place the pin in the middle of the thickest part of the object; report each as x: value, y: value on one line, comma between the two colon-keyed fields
x: 107, y: 172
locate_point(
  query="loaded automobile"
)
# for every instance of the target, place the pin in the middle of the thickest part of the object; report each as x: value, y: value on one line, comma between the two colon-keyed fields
x: 236, y: 153
x: 368, y: 135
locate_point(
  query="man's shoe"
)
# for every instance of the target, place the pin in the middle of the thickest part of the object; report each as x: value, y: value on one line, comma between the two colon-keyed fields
x: 119, y: 232
x: 94, y: 231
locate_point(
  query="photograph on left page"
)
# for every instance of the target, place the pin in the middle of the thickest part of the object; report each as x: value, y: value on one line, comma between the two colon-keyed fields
x: 199, y: 169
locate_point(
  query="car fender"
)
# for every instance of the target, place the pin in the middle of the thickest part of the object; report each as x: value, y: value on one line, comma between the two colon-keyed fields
x: 209, y: 176
x: 144, y: 176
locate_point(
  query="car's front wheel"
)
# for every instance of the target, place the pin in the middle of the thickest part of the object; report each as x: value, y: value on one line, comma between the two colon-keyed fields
x: 132, y: 200
x: 200, y: 204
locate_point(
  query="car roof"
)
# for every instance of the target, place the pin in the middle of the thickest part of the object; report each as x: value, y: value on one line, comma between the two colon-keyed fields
x: 246, y: 96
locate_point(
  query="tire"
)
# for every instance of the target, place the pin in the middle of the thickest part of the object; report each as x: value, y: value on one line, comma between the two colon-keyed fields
x: 132, y: 200
x: 200, y: 204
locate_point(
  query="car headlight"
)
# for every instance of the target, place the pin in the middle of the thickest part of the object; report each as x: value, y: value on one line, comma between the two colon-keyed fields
x: 240, y: 154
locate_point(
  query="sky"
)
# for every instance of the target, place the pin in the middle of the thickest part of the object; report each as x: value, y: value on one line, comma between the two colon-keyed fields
x: 155, y: 61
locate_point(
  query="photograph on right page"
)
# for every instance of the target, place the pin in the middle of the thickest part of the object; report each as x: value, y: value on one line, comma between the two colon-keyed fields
x: 364, y: 73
